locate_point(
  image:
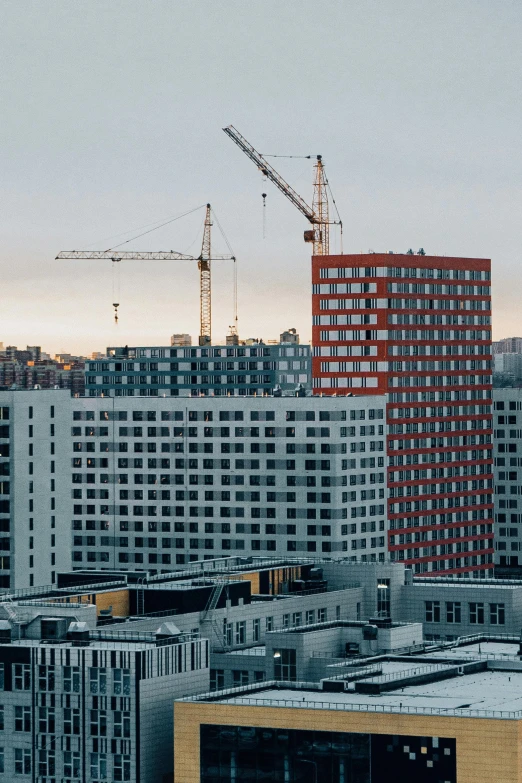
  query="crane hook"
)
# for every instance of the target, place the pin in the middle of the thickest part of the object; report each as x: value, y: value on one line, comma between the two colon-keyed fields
x: 115, y: 305
x: 264, y: 214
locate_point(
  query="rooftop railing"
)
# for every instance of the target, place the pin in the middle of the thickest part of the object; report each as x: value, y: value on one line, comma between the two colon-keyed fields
x: 240, y: 696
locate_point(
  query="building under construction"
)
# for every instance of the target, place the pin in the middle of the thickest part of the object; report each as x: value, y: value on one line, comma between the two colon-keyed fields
x: 253, y: 368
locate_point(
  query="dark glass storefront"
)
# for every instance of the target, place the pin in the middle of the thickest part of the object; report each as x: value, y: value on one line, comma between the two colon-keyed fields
x: 244, y: 753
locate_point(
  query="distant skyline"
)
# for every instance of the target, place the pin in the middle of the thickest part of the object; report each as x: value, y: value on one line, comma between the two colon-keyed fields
x: 112, y: 118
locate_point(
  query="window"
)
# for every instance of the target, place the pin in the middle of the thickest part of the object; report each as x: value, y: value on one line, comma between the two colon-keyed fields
x: 71, y: 721
x: 476, y: 614
x: 121, y: 769
x: 22, y: 718
x: 22, y: 677
x: 310, y: 616
x: 98, y: 723
x: 227, y: 634
x: 239, y: 677
x: 46, y: 678
x: 285, y: 667
x: 98, y: 766
x: 383, y: 598
x: 322, y: 615
x: 71, y: 764
x: 121, y: 724
x: 121, y: 682
x: 269, y: 624
x: 46, y: 762
x: 256, y: 630
x: 22, y: 761
x: 432, y: 614
x: 1, y: 760
x: 217, y: 679
x: 71, y: 679
x: 46, y: 720
x: 241, y: 632
x: 453, y: 612
x: 98, y: 680
x: 497, y: 614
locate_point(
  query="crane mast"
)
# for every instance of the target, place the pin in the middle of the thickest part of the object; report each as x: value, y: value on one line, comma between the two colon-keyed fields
x: 317, y: 214
x: 205, y: 301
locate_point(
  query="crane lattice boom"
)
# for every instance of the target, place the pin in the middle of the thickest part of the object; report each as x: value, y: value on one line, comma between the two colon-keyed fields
x: 204, y: 265
x: 317, y: 215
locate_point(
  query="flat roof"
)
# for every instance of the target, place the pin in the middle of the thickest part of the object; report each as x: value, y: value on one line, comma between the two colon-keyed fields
x: 480, y: 649
x: 491, y: 694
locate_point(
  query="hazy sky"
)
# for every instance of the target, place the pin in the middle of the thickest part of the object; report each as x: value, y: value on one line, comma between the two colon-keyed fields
x: 111, y: 117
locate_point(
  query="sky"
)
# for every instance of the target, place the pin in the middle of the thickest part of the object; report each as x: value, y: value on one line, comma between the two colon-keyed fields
x: 112, y: 117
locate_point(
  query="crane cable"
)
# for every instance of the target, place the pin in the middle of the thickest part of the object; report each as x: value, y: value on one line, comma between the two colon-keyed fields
x: 166, y: 223
x: 235, y: 264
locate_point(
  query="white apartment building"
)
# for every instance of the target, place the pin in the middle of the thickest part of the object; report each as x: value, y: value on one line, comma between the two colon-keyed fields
x: 35, y: 494
x: 159, y: 482
x: 145, y: 484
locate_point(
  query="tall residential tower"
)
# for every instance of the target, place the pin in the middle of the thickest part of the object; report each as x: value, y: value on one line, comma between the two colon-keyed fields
x: 418, y: 328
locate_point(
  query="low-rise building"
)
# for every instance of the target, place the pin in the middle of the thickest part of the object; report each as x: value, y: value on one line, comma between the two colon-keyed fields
x: 447, y: 714
x: 93, y: 705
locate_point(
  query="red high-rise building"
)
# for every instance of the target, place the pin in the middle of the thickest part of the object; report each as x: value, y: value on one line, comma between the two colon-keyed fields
x: 418, y: 329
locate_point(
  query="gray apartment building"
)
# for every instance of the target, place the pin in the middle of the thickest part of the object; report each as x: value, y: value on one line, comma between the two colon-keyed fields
x: 35, y: 500
x: 155, y: 483
x: 221, y: 370
x: 507, y: 451
x: 147, y: 484
x: 93, y: 705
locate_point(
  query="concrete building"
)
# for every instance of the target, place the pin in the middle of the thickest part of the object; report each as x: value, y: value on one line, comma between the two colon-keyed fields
x: 160, y: 482
x: 448, y: 714
x: 417, y: 328
x: 507, y: 442
x: 181, y: 340
x: 508, y: 364
x: 35, y: 491
x: 220, y: 371
x: 508, y: 345
x: 94, y: 705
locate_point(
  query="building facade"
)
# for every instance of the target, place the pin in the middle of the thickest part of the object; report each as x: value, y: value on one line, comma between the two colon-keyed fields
x: 80, y: 705
x: 35, y: 492
x: 418, y: 328
x: 252, y: 370
x: 507, y: 443
x: 165, y: 481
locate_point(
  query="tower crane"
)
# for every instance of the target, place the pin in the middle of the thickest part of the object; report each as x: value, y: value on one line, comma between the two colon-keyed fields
x: 317, y: 214
x: 204, y: 265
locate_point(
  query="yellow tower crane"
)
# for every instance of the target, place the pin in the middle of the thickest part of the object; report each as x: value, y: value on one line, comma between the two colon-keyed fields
x: 318, y: 214
x: 204, y: 265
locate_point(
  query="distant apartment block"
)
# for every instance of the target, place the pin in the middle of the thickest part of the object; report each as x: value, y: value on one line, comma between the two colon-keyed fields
x: 508, y: 345
x: 181, y: 340
x: 250, y: 370
x: 29, y: 369
x: 508, y: 364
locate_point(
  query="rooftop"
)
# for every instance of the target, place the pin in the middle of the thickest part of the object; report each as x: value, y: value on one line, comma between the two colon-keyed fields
x: 481, y: 678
